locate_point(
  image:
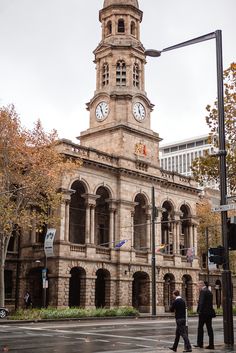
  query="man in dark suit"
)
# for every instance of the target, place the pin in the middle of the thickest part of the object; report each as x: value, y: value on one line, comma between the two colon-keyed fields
x: 179, y: 307
x: 206, y: 313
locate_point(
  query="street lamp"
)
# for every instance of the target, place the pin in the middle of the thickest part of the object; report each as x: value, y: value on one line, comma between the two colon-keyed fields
x: 226, y: 273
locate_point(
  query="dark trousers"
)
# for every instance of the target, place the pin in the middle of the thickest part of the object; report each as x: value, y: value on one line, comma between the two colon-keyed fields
x: 181, y: 331
x: 200, y: 333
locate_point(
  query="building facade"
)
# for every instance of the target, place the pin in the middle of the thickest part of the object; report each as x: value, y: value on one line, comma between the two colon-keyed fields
x: 103, y: 246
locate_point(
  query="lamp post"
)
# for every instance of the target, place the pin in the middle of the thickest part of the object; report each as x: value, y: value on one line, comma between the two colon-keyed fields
x: 226, y: 273
x: 153, y: 255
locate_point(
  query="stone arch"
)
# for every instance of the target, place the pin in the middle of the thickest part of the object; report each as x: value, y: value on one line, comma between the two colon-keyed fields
x: 218, y: 293
x: 185, y: 230
x: 77, y: 287
x: 141, y: 291
x: 140, y: 222
x: 77, y: 211
x: 187, y: 290
x: 133, y: 28
x: 168, y: 288
x: 108, y: 28
x: 102, y: 288
x: 167, y: 226
x: 35, y: 287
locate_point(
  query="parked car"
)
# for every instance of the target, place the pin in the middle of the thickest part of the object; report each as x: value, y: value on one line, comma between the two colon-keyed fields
x: 3, y: 312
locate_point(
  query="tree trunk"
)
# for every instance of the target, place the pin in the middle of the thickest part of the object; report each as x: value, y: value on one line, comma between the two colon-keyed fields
x: 4, y: 241
x: 2, y: 267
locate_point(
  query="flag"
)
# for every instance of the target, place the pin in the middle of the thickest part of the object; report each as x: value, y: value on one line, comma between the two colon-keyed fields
x: 122, y: 242
x: 190, y: 254
x: 160, y: 248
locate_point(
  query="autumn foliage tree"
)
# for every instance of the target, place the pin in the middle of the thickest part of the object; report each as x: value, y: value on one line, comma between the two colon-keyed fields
x: 206, y: 168
x: 30, y: 174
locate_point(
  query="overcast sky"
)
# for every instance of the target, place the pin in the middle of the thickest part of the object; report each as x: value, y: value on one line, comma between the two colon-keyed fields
x: 47, y: 69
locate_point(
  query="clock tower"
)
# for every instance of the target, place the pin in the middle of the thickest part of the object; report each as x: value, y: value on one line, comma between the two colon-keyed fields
x: 120, y: 110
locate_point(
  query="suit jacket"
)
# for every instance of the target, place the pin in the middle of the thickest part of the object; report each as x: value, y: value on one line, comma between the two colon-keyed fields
x: 205, y: 303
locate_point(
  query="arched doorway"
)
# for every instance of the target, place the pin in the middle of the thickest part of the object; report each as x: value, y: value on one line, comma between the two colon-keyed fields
x: 77, y: 214
x: 77, y: 290
x: 140, y: 223
x: 167, y: 227
x: 102, y: 217
x: 218, y: 293
x: 102, y: 289
x: 187, y: 290
x: 141, y: 292
x: 168, y: 288
x: 35, y: 287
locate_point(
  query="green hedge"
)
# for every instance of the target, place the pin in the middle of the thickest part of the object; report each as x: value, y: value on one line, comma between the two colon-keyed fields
x: 67, y: 313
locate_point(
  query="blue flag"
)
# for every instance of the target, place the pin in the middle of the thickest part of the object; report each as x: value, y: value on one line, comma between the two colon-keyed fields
x: 122, y: 242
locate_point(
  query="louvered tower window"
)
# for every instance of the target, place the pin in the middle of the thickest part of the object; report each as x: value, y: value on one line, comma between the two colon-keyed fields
x: 105, y: 74
x: 136, y: 75
x: 121, y: 26
x: 121, y: 73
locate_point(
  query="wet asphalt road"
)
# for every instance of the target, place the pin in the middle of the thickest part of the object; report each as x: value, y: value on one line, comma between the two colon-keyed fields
x: 110, y: 336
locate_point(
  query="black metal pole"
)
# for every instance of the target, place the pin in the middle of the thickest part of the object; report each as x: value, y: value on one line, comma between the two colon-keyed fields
x: 153, y: 255
x: 207, y: 248
x: 226, y: 273
x: 44, y: 282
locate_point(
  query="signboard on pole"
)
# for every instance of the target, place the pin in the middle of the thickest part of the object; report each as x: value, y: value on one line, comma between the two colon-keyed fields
x: 223, y: 208
x: 48, y: 242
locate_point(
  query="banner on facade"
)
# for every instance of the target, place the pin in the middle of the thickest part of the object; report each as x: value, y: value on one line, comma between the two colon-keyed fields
x: 48, y: 242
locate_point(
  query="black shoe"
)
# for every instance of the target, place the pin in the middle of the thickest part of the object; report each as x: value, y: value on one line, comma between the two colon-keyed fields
x: 210, y: 347
x: 197, y: 346
x: 172, y: 349
x: 187, y: 350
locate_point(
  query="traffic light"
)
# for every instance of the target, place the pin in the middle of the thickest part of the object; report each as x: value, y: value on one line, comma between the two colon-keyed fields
x: 217, y: 255
x: 231, y: 225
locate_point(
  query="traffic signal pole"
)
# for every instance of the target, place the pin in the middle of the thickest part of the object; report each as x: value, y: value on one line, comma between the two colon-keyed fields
x: 226, y: 273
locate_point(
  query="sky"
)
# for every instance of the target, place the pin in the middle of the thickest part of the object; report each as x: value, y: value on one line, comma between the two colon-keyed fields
x: 47, y: 69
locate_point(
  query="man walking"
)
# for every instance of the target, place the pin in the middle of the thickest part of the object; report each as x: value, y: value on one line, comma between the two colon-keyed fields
x: 179, y: 307
x: 206, y: 313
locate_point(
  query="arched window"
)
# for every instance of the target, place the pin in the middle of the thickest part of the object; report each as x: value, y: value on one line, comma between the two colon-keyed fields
x: 136, y: 75
x: 167, y: 227
x: 140, y: 223
x: 121, y: 73
x: 77, y: 214
x: 132, y: 28
x: 105, y: 74
x: 102, y: 218
x: 109, y: 28
x: 121, y: 26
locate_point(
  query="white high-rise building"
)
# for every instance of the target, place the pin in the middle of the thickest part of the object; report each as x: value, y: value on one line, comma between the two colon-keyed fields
x: 178, y: 156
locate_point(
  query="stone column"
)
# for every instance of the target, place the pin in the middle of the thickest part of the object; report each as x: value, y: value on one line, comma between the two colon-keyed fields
x: 90, y: 200
x: 112, y: 210
x: 177, y: 232
x: 87, y: 224
x: 65, y: 214
x: 132, y: 229
x: 92, y: 224
x: 148, y: 230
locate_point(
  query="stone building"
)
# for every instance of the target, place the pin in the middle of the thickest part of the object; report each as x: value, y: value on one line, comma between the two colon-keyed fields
x: 108, y: 201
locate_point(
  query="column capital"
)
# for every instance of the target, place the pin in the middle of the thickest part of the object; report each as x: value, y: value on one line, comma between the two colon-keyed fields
x: 66, y: 194
x: 90, y: 199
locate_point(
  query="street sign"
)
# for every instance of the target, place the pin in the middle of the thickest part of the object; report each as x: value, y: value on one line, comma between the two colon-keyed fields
x: 223, y: 208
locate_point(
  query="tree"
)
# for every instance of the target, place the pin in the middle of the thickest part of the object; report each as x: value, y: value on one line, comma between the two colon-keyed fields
x: 206, y: 168
x: 31, y: 170
x: 210, y: 220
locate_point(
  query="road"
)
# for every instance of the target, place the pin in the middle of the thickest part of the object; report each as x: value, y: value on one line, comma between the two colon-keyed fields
x: 109, y: 336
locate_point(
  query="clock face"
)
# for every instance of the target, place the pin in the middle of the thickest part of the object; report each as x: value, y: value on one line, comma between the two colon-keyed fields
x: 139, y: 111
x: 102, y: 111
